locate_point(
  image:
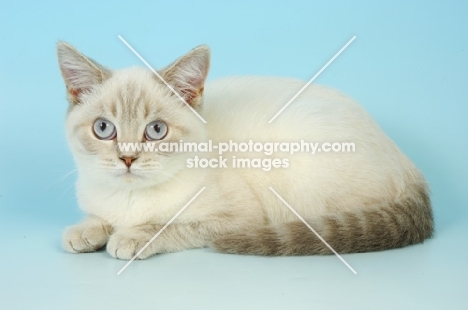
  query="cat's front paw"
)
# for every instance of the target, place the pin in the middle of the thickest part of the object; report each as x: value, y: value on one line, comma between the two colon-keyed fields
x: 126, y: 244
x: 84, y: 238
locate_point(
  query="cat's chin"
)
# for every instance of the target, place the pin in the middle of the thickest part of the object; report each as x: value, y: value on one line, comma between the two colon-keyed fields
x: 135, y: 180
x: 130, y: 176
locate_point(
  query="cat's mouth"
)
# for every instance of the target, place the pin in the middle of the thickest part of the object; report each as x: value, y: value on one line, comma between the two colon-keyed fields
x: 130, y: 174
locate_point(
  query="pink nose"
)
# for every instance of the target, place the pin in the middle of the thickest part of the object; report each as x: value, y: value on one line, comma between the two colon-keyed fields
x: 128, y: 161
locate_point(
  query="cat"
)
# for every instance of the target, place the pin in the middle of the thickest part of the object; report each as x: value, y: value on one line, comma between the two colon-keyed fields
x: 371, y: 199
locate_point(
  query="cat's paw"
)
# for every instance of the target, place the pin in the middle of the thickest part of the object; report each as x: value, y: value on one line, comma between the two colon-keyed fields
x: 84, y: 238
x: 126, y: 244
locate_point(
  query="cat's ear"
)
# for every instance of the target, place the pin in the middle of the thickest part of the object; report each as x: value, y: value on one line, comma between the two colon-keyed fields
x: 187, y: 75
x: 79, y: 72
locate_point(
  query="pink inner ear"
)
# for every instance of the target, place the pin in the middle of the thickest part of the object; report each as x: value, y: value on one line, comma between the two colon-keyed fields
x: 195, y: 84
x: 67, y: 73
x: 72, y: 77
x: 188, y: 94
x: 74, y: 92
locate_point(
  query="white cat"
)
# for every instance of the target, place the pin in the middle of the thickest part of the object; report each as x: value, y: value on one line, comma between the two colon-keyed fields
x: 367, y: 200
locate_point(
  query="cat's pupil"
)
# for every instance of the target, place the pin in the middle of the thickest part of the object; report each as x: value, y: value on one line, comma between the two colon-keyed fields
x: 157, y: 128
x: 102, y: 126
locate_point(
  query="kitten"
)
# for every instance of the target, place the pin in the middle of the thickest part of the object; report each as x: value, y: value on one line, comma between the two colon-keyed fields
x: 368, y: 200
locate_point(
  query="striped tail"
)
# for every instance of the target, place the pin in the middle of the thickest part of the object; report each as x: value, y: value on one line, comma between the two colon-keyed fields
x: 403, y: 222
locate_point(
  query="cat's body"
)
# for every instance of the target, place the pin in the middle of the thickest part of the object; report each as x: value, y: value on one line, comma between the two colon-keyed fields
x: 370, y: 199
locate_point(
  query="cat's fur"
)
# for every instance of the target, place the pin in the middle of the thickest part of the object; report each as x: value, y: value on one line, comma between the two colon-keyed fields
x: 372, y: 199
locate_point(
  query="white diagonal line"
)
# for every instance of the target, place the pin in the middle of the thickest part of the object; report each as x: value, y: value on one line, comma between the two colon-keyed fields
x: 159, y: 232
x: 313, y: 230
x: 311, y: 80
x: 161, y: 78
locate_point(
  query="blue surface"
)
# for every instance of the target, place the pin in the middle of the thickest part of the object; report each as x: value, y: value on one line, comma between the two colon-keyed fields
x: 408, y: 67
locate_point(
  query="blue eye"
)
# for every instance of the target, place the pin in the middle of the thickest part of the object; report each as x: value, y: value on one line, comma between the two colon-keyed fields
x: 104, y: 129
x: 156, y: 130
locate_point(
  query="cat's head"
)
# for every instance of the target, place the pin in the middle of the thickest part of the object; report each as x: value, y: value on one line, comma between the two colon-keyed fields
x: 108, y: 108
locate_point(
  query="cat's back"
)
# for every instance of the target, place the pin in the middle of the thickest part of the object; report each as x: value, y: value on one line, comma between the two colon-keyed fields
x: 241, y: 107
x: 257, y: 94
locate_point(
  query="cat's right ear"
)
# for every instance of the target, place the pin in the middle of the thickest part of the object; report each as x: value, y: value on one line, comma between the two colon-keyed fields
x: 79, y: 72
x: 187, y: 75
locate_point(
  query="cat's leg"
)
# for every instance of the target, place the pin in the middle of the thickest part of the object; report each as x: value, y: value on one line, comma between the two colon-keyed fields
x: 126, y: 243
x: 88, y: 236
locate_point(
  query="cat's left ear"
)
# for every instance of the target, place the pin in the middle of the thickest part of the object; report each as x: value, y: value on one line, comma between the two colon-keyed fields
x: 79, y: 72
x: 187, y: 75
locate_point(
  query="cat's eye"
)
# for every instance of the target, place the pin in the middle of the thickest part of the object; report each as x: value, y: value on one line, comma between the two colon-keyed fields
x: 104, y: 129
x: 155, y: 130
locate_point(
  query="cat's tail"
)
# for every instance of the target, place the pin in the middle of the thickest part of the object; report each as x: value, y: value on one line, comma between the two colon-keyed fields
x: 403, y: 222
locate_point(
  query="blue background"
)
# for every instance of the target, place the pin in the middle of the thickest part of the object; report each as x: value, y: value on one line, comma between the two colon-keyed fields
x: 408, y: 67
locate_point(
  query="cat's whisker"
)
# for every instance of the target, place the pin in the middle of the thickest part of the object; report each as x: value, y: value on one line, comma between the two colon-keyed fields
x: 61, y: 178
x: 65, y: 191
